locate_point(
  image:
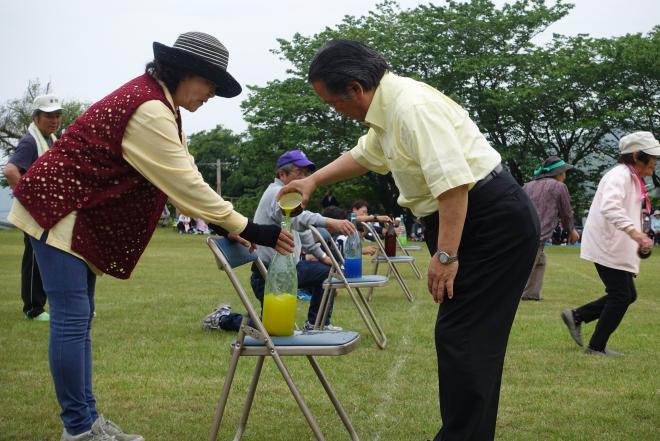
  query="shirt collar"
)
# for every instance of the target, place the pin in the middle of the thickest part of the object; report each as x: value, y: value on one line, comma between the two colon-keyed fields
x: 376, y: 115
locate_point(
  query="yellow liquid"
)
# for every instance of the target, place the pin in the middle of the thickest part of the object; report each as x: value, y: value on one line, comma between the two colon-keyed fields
x: 279, y: 314
x: 290, y: 202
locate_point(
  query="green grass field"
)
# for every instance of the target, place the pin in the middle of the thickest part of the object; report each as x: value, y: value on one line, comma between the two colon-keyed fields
x: 157, y: 373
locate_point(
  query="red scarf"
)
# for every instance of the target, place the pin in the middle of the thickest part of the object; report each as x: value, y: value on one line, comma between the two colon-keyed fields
x: 84, y: 171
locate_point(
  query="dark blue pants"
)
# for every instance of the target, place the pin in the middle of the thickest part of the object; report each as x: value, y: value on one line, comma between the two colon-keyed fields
x: 609, y: 309
x: 496, y: 254
x: 32, y: 289
x: 70, y: 284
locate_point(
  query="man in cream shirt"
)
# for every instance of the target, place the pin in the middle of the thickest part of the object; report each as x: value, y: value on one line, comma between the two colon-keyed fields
x: 482, y: 230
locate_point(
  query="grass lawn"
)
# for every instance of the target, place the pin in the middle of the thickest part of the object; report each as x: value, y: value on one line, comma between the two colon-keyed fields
x: 157, y: 373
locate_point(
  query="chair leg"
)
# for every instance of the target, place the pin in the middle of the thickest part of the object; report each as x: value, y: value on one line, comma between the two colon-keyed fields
x: 378, y: 335
x: 416, y: 270
x: 222, y: 401
x: 333, y: 398
x: 250, y: 398
x: 313, y: 424
x: 402, y: 283
x: 374, y: 270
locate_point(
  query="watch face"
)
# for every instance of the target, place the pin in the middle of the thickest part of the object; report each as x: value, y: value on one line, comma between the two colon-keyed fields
x: 443, y: 257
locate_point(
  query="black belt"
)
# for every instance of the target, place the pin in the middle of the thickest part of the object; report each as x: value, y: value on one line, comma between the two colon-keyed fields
x: 480, y: 183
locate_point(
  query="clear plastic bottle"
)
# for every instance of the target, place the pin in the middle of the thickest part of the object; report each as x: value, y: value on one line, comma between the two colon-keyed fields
x: 280, y: 293
x: 353, y: 253
x: 403, y: 234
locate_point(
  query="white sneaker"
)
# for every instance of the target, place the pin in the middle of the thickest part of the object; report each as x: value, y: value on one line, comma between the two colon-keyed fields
x: 114, y: 430
x: 95, y: 434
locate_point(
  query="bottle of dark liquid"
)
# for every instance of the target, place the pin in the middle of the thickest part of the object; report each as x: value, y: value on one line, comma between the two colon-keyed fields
x: 390, y: 240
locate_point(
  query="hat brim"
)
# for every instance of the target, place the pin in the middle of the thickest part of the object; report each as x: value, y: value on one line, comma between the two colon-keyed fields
x: 304, y: 163
x: 653, y: 151
x: 226, y: 85
x: 49, y: 109
x: 555, y: 172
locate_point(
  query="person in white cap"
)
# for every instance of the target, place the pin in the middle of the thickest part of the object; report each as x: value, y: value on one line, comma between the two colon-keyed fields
x: 121, y: 159
x: 46, y: 119
x: 612, y: 238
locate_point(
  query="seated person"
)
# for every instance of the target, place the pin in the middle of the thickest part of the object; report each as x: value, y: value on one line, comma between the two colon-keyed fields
x: 291, y: 165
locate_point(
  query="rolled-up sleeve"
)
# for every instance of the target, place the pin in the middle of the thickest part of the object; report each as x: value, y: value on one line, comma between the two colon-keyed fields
x: 151, y: 146
x: 369, y: 154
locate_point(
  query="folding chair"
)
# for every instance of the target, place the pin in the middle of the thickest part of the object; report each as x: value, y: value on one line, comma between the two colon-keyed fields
x: 337, y: 280
x: 391, y: 261
x: 253, y: 340
x: 404, y: 249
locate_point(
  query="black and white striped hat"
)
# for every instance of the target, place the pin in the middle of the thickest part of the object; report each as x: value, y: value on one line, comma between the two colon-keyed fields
x: 204, y: 55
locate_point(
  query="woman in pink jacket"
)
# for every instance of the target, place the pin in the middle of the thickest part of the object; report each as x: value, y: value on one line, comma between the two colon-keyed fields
x: 612, y: 238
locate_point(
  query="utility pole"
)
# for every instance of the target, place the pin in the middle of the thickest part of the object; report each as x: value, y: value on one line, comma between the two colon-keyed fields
x: 218, y: 176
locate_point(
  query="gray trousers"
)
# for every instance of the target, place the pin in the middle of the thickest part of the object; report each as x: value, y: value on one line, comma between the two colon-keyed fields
x: 535, y: 282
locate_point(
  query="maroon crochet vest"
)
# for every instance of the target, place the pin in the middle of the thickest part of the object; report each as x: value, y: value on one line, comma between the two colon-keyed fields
x: 84, y: 171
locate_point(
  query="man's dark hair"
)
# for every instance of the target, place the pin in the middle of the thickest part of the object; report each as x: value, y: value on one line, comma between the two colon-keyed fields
x: 334, y: 212
x: 359, y: 204
x: 168, y: 74
x: 629, y: 158
x: 339, y: 62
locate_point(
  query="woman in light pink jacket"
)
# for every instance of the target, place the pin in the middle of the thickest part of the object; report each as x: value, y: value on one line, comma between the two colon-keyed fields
x: 612, y: 238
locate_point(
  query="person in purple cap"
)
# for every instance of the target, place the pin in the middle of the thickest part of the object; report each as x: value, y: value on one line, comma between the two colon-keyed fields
x: 291, y: 165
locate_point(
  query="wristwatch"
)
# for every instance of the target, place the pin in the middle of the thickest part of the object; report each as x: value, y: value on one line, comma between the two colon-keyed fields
x: 444, y: 257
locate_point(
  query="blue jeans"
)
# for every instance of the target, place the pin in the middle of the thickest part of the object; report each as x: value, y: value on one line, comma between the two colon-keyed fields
x: 69, y: 284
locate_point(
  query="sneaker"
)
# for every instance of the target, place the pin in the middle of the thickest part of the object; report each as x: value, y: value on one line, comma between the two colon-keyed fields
x: 95, y: 434
x: 304, y: 295
x: 112, y: 429
x: 573, y: 328
x: 607, y: 352
x: 43, y: 317
x: 212, y: 321
x: 329, y: 327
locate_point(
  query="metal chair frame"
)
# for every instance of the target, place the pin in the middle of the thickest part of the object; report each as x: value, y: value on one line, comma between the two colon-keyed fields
x: 337, y: 280
x: 253, y: 340
x: 390, y: 261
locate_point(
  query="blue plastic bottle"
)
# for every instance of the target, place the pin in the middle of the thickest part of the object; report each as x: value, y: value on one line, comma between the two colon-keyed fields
x: 353, y: 253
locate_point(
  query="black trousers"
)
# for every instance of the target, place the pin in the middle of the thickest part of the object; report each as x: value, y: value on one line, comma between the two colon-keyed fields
x: 496, y: 254
x: 609, y: 309
x: 32, y: 289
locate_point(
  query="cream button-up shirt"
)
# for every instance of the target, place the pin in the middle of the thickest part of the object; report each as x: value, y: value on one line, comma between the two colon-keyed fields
x: 425, y: 139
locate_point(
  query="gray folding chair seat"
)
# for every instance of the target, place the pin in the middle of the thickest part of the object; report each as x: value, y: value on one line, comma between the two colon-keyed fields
x: 337, y: 280
x: 253, y: 340
x: 390, y: 261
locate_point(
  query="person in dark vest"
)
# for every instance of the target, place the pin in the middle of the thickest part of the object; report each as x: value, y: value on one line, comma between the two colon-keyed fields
x: 482, y: 229
x: 46, y: 120
x: 91, y: 203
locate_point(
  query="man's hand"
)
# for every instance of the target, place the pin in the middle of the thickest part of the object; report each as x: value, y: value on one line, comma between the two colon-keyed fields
x: 369, y: 250
x: 285, y: 243
x: 440, y: 279
x: 304, y: 186
x: 574, y: 236
x: 246, y: 243
x: 339, y: 226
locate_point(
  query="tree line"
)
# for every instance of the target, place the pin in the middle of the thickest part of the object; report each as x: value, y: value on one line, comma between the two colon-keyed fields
x: 572, y: 97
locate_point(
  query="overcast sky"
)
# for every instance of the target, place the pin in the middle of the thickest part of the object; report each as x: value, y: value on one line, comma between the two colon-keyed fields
x: 88, y: 48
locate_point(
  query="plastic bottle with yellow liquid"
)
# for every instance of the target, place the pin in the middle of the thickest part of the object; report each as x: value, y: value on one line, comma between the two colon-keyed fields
x: 280, y: 292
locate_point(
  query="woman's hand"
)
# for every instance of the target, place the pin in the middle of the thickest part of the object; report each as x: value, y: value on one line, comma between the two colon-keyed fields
x: 246, y: 243
x: 642, y: 239
x: 285, y: 243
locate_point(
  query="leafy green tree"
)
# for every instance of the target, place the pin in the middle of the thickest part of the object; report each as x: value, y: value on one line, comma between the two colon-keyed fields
x: 217, y: 144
